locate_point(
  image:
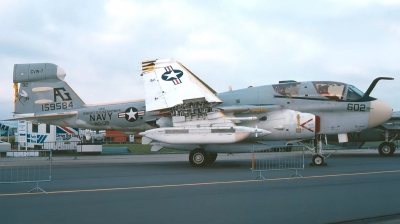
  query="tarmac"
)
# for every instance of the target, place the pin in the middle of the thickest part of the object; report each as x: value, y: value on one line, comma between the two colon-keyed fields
x: 357, y: 186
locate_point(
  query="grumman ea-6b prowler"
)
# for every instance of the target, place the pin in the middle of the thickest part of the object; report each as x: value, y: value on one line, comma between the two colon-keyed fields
x: 180, y: 111
x: 257, y: 118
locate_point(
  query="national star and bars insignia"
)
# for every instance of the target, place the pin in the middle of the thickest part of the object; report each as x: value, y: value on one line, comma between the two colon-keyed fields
x: 173, y: 75
x: 131, y: 114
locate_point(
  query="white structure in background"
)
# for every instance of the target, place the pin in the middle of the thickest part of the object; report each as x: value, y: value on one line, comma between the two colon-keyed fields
x: 42, y: 135
x: 93, y: 135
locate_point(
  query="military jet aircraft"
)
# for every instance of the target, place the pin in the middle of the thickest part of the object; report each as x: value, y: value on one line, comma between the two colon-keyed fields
x: 387, y: 132
x: 202, y: 121
x: 43, y: 92
x: 206, y: 123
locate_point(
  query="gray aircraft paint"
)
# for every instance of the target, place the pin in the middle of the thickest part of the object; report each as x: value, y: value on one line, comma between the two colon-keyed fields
x: 340, y: 108
x: 335, y: 115
x: 44, y: 92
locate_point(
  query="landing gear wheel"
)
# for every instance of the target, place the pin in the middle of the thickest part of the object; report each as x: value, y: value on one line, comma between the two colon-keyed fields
x: 198, y: 157
x: 386, y: 148
x: 212, y: 157
x: 318, y: 160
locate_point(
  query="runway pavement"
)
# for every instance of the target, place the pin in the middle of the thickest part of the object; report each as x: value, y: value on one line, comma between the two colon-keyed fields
x: 357, y: 186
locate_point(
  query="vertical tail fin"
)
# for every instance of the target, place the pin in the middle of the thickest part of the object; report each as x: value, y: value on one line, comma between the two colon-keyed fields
x: 42, y: 90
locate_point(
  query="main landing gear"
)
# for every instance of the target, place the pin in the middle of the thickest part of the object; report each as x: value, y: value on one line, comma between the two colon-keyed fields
x: 199, y: 157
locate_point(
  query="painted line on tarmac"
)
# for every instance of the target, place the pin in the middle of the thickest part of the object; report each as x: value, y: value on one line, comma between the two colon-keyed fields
x: 337, y: 175
x: 135, y: 188
x: 198, y: 184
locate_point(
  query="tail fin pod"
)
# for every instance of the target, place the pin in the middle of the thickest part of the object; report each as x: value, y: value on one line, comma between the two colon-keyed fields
x: 42, y: 89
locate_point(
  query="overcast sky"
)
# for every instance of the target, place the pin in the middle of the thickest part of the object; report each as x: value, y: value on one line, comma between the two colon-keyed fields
x: 100, y: 44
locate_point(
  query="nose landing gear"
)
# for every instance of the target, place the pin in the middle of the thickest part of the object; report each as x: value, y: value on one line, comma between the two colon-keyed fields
x: 318, y: 159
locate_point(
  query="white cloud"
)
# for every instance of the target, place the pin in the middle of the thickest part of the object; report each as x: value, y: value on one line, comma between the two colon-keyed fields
x: 207, y: 46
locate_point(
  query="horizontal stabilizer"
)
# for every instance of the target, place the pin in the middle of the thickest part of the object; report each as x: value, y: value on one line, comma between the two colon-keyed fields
x: 44, y: 117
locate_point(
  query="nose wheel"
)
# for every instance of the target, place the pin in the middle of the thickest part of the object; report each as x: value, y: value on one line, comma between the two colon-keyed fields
x: 318, y: 160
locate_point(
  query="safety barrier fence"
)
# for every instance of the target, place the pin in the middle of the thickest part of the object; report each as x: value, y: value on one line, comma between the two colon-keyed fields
x: 74, y: 146
x: 278, y: 158
x: 26, y: 166
x: 59, y: 145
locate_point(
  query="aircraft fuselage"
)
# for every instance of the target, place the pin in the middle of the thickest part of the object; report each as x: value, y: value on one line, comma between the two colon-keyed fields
x: 339, y: 108
x: 127, y: 117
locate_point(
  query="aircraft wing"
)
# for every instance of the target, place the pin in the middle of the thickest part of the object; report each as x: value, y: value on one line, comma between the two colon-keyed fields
x: 168, y: 83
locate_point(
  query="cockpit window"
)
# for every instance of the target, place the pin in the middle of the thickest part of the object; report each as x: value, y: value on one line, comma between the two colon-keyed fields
x: 331, y: 90
x: 287, y: 89
x: 353, y: 93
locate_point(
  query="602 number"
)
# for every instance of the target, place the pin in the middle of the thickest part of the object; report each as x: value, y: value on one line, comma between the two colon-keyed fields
x: 356, y: 107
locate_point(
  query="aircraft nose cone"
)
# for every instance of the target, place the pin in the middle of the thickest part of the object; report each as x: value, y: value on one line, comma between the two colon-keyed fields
x: 379, y: 113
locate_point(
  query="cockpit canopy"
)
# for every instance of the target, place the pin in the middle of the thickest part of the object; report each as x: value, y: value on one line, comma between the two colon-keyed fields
x: 353, y: 93
x: 320, y: 90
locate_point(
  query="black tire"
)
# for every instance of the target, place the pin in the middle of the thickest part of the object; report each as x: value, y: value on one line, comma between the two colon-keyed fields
x: 198, y: 157
x: 318, y: 160
x: 212, y: 157
x: 386, y: 148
